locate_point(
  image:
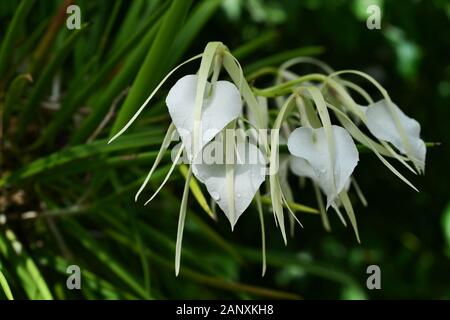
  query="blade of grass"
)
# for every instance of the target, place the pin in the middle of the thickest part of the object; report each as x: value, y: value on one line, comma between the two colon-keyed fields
x: 99, y: 147
x: 312, y: 267
x: 293, y: 205
x: 47, y: 41
x: 254, y: 44
x: 155, y: 63
x: 281, y: 57
x: 213, y: 281
x: 44, y: 81
x: 89, y: 243
x: 25, y: 266
x: 118, y: 83
x: 140, y: 246
x: 90, y: 279
x: 12, y: 34
x: 5, y: 286
x: 210, y: 233
x: 12, y: 98
x: 195, y: 22
x: 133, y: 20
x: 112, y: 17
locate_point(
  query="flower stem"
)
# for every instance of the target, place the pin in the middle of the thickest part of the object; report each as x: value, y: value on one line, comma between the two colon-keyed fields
x: 285, y: 88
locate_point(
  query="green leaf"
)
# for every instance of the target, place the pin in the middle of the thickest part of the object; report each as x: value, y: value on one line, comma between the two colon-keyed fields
x: 254, y: 45
x: 5, y: 286
x: 44, y: 80
x: 66, y: 156
x: 12, y: 99
x: 283, y: 56
x: 90, y: 244
x: 138, y: 45
x: 155, y: 64
x: 12, y: 34
x: 194, y: 24
x: 25, y: 268
x: 446, y: 227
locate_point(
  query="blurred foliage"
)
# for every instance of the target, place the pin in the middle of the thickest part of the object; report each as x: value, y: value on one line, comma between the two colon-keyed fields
x: 67, y: 197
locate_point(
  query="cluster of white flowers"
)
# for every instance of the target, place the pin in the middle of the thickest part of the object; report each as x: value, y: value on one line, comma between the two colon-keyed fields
x: 204, y: 110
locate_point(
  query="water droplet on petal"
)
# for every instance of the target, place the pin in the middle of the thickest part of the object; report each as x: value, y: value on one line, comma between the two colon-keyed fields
x: 238, y: 195
x: 215, y: 196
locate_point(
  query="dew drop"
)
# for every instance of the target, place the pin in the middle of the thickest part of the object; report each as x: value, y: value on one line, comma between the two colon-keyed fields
x: 238, y: 195
x: 215, y: 196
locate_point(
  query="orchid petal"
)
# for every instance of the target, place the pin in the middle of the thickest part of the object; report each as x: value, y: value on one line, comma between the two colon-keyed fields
x: 248, y: 176
x: 312, y: 158
x: 302, y: 168
x: 219, y: 108
x: 381, y: 124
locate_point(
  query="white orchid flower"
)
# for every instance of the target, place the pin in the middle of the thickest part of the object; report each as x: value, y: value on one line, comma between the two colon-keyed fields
x: 381, y: 122
x: 200, y: 110
x: 248, y: 176
x: 220, y: 107
x: 311, y: 158
x: 204, y: 110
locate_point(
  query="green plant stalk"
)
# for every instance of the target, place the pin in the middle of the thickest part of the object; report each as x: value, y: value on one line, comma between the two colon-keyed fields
x: 47, y: 41
x: 293, y: 205
x: 155, y: 64
x: 43, y: 82
x: 117, y: 84
x: 165, y: 244
x: 25, y: 267
x: 361, y: 148
x: 196, y: 21
x: 5, y: 286
x: 109, y: 26
x: 255, y: 44
x: 143, y: 259
x: 287, y: 87
x: 89, y: 243
x: 131, y: 22
x: 90, y: 278
x: 208, y: 280
x: 315, y: 268
x: 138, y: 239
x: 26, y: 48
x: 99, y: 147
x: 12, y: 98
x: 12, y: 34
x: 281, y: 57
x: 73, y: 100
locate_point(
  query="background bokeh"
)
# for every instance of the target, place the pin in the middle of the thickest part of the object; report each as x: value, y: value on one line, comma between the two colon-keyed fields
x: 68, y: 199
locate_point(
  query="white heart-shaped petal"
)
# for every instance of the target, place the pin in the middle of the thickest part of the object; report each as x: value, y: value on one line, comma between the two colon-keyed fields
x: 381, y: 124
x: 302, y: 168
x: 248, y: 176
x: 219, y: 108
x: 312, y: 158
